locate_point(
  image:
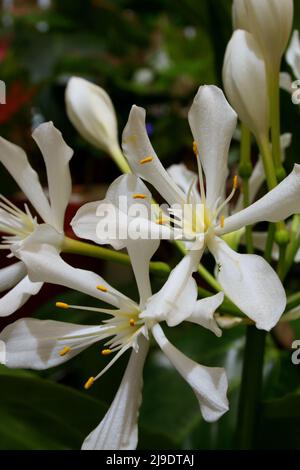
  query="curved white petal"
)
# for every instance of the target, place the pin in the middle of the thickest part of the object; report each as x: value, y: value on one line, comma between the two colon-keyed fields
x: 278, y: 204
x: 245, y: 82
x: 120, y: 216
x: 92, y: 113
x: 176, y: 299
x: 34, y: 344
x: 16, y: 162
x: 18, y: 296
x: 11, y: 275
x: 208, y: 383
x: 136, y: 147
x: 44, y: 263
x: 293, y: 54
x: 251, y: 283
x: 119, y: 430
x: 57, y: 155
x: 184, y: 179
x: 212, y: 121
x: 204, y: 313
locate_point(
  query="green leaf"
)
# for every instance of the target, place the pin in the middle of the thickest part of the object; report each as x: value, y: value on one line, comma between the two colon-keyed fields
x: 37, y: 414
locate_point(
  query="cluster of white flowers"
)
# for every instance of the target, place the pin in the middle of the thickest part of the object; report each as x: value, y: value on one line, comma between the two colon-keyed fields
x: 262, y: 31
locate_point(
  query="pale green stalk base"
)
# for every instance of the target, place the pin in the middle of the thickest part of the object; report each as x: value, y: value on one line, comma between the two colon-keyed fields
x: 86, y: 249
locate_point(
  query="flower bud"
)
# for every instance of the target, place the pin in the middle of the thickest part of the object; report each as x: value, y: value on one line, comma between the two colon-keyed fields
x: 270, y: 22
x: 92, y: 113
x: 245, y: 82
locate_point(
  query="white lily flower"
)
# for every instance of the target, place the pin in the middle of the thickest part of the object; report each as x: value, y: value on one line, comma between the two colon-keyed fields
x: 248, y: 280
x: 92, y: 113
x: 270, y: 22
x: 37, y: 344
x: 16, y: 224
x: 245, y: 82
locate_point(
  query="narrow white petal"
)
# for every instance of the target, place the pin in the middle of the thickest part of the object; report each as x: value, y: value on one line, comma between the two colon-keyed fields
x: 11, y: 275
x: 278, y: 204
x: 136, y: 147
x: 33, y: 344
x: 57, y: 155
x: 119, y: 430
x: 141, y: 252
x: 16, y: 162
x: 204, y: 313
x: 45, y: 264
x: 251, y: 283
x: 176, y: 299
x: 208, y: 383
x: 18, y: 296
x: 212, y: 121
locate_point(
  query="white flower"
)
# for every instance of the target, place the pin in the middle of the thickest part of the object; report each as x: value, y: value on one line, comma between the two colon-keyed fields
x: 293, y: 59
x: 16, y: 224
x: 92, y: 113
x: 37, y: 344
x: 270, y: 22
x: 245, y: 82
x: 248, y: 280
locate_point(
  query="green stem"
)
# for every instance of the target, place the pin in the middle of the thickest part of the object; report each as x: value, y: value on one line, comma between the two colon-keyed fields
x: 251, y: 387
x: 204, y: 273
x: 86, y: 249
x: 294, y: 244
x: 120, y: 160
x: 274, y: 94
x: 245, y: 170
x: 293, y: 301
x: 266, y: 154
x: 270, y: 242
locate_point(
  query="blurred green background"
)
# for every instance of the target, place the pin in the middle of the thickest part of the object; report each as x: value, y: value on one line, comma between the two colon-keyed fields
x: 155, y: 54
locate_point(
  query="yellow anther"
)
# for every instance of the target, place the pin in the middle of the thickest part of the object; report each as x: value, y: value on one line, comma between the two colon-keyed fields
x: 106, y: 352
x: 235, y: 182
x: 62, y: 305
x: 64, y: 351
x: 89, y: 383
x: 160, y: 220
x: 102, y: 288
x: 146, y: 160
x: 132, y: 322
x: 222, y: 221
x: 139, y: 196
x: 195, y: 148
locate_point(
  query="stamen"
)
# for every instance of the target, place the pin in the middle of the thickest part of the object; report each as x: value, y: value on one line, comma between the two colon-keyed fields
x: 139, y: 196
x: 235, y: 182
x: 161, y: 220
x: 62, y: 305
x: 106, y: 352
x: 195, y: 148
x: 132, y: 322
x: 146, y: 160
x: 102, y: 288
x: 64, y: 351
x: 222, y: 221
x: 89, y: 383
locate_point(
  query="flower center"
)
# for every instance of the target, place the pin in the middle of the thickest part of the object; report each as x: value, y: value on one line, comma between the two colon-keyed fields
x: 15, y: 223
x: 121, y: 332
